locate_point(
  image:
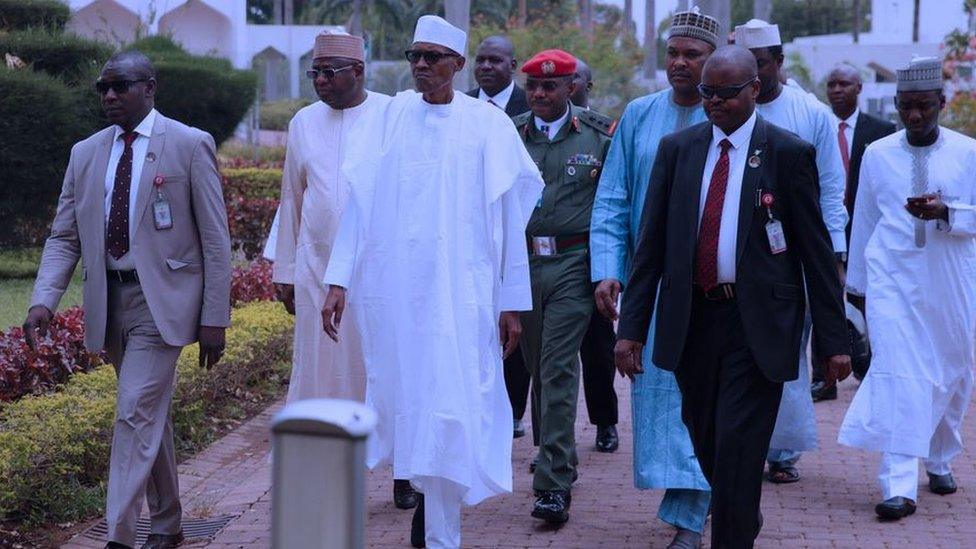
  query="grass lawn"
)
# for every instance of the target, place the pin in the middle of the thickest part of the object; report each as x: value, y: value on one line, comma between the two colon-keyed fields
x: 15, y: 296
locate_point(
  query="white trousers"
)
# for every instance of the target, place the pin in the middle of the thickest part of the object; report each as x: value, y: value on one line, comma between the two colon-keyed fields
x: 898, y: 474
x: 442, y: 512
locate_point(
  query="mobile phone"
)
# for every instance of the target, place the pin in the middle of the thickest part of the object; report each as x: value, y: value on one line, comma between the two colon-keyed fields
x: 917, y: 200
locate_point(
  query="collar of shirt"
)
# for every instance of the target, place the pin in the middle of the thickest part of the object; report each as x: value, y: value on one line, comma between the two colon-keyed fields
x: 555, y: 125
x: 144, y: 128
x: 851, y: 120
x: 739, y: 138
x: 501, y: 98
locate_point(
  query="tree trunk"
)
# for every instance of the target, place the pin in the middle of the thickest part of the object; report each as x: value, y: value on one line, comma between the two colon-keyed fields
x: 721, y: 10
x: 586, y: 17
x: 628, y: 22
x: 915, y: 22
x: 523, y: 13
x: 650, y: 41
x: 763, y: 9
x: 857, y: 21
x: 355, y: 25
x: 289, y: 12
x: 277, y: 17
x: 458, y: 13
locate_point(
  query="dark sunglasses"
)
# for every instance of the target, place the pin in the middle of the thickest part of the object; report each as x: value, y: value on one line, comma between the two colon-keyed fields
x: 118, y: 86
x: 728, y: 92
x: 329, y: 74
x: 546, y: 85
x: 431, y: 57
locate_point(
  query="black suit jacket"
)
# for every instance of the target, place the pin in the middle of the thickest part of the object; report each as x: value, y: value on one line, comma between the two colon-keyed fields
x: 769, y: 288
x: 517, y: 104
x: 867, y: 130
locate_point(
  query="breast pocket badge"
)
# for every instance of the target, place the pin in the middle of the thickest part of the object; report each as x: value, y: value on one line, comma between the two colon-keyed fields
x: 162, y: 213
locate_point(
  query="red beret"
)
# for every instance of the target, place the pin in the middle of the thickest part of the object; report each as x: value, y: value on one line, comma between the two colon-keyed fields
x: 550, y: 63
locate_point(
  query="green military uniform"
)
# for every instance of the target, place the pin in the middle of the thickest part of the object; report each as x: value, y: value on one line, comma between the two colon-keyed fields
x: 562, y: 294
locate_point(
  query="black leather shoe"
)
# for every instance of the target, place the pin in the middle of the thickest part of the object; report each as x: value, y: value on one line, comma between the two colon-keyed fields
x: 820, y: 391
x: 942, y: 484
x: 685, y: 539
x: 163, y: 541
x: 895, y: 508
x: 606, y: 439
x: 404, y: 496
x: 418, y: 532
x: 534, y: 463
x: 552, y: 506
x: 519, y: 429
x: 116, y: 545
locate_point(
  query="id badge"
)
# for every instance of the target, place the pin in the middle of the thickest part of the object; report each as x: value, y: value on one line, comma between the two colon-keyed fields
x: 777, y: 239
x: 162, y: 215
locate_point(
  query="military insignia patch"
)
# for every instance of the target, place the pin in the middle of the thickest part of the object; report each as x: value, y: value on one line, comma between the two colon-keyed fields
x: 548, y: 67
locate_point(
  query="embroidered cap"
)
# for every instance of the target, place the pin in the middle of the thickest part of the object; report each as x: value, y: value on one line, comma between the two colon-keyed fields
x: 921, y: 74
x: 695, y: 24
x: 338, y: 44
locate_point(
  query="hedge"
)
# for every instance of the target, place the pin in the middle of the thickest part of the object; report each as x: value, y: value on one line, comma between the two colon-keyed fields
x: 275, y: 115
x: 54, y: 448
x: 75, y: 60
x: 252, y: 182
x: 22, y: 14
x: 33, y: 159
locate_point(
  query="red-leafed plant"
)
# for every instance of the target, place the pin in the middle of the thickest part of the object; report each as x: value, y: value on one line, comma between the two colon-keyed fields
x: 249, y: 221
x: 251, y: 283
x: 59, y: 355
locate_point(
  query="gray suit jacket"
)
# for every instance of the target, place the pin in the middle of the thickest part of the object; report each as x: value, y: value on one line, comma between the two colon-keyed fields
x: 184, y: 271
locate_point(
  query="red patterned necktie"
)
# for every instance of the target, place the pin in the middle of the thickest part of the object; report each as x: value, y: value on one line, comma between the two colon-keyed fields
x: 844, y: 155
x: 117, y: 238
x: 706, y: 256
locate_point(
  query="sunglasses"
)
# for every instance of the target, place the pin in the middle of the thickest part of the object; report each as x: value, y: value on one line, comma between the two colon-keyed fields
x: 546, y: 85
x: 431, y: 57
x: 329, y: 74
x: 728, y: 92
x: 118, y: 86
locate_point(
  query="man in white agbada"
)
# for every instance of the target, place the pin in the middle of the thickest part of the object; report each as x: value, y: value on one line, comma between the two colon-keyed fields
x: 433, y: 253
x: 913, y: 256
x: 793, y: 109
x: 313, y: 197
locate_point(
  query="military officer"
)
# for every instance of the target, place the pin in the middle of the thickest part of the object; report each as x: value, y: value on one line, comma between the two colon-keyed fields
x: 568, y: 143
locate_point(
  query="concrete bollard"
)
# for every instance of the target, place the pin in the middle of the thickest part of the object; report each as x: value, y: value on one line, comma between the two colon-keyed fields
x: 318, y: 474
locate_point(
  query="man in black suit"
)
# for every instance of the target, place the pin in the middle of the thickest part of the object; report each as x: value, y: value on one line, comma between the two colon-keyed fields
x: 494, y: 63
x: 855, y: 131
x: 731, y: 230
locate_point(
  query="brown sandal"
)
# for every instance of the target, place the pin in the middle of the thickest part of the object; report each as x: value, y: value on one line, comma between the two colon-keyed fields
x: 783, y: 475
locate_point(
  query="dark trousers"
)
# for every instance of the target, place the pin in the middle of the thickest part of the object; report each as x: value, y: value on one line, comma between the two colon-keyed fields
x: 598, y: 373
x: 730, y: 408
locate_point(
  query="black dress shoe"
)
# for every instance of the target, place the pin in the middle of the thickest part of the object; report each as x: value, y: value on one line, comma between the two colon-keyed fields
x: 404, y: 496
x: 418, y: 532
x: 552, y: 506
x: 534, y: 463
x: 519, y: 429
x: 163, y: 541
x: 820, y: 391
x: 685, y: 539
x: 116, y: 545
x: 942, y: 484
x: 606, y: 439
x: 895, y: 508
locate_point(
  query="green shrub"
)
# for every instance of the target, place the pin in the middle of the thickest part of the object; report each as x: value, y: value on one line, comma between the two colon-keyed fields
x: 74, y: 59
x: 252, y: 182
x: 22, y: 14
x: 19, y: 263
x: 275, y: 115
x: 204, y: 92
x: 40, y: 119
x: 238, y: 154
x: 54, y: 448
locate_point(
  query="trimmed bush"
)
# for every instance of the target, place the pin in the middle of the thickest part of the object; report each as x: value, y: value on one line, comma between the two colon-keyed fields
x: 249, y: 221
x: 54, y: 448
x: 22, y: 14
x: 205, y: 92
x: 252, y: 282
x: 275, y: 115
x: 252, y: 183
x: 74, y: 59
x: 19, y: 263
x: 33, y: 156
x: 237, y: 154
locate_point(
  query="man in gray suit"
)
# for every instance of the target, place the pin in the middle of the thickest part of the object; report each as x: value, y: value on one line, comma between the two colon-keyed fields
x: 141, y: 206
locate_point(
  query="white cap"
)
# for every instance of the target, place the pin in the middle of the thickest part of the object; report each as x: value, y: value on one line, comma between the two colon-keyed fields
x: 435, y: 30
x: 757, y: 33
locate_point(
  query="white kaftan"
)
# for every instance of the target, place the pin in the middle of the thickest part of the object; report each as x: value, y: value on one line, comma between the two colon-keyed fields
x: 432, y: 249
x: 921, y: 301
x: 313, y: 196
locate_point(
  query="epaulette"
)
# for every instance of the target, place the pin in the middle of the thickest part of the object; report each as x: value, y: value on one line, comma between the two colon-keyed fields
x: 601, y: 123
x: 522, y: 123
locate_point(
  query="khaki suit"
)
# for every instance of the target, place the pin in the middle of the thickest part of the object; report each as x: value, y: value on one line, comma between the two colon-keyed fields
x: 184, y: 282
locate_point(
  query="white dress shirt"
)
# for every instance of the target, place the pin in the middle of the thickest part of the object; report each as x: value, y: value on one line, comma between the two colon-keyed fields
x: 139, y: 147
x: 851, y: 121
x: 729, y: 227
x: 552, y: 128
x: 501, y: 98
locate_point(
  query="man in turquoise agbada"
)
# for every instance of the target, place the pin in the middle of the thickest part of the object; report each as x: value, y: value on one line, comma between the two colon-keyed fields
x: 663, y: 454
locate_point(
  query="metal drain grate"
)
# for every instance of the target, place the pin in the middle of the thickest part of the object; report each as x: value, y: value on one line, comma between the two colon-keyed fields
x: 193, y: 529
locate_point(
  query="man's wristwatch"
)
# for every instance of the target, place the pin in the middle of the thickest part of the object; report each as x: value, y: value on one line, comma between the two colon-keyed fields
x: 841, y: 256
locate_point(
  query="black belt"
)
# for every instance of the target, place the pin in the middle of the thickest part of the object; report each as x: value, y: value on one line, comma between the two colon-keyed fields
x: 560, y: 244
x: 122, y: 276
x: 721, y: 292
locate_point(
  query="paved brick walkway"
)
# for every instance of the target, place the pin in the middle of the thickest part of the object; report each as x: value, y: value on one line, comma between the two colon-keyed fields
x: 832, y: 506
